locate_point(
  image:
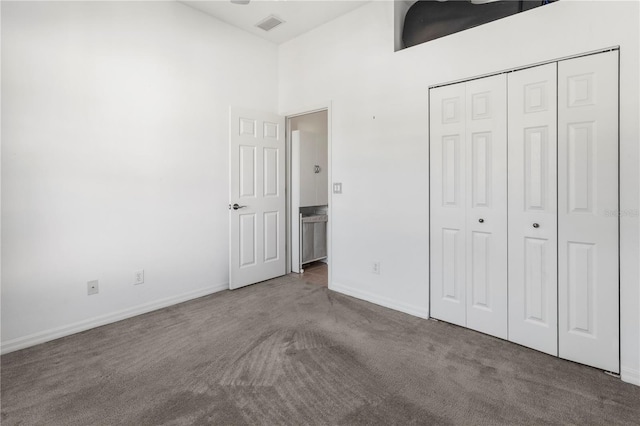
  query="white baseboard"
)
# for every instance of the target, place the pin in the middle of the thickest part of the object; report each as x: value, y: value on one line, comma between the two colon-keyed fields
x: 630, y: 375
x: 416, y: 311
x: 66, y: 330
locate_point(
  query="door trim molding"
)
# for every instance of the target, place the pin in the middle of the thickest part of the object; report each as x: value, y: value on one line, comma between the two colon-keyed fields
x: 288, y: 116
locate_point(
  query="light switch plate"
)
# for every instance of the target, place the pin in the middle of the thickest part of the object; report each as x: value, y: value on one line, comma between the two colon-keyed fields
x: 337, y: 187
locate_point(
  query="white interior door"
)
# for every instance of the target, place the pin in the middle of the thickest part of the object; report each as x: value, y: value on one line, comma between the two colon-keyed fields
x: 256, y: 197
x: 486, y: 221
x: 588, y: 210
x: 448, y: 203
x: 533, y: 227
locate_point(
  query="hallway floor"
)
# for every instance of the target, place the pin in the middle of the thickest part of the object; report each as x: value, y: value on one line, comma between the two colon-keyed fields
x: 316, y: 273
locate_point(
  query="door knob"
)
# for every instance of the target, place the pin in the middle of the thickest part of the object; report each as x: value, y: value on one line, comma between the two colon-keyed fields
x: 481, y: 220
x: 236, y: 206
x: 316, y: 169
x: 535, y: 225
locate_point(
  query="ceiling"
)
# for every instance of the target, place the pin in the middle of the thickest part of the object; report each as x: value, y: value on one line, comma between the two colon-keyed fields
x: 300, y: 16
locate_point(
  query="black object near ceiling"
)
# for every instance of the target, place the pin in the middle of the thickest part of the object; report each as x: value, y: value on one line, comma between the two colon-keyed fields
x: 428, y: 20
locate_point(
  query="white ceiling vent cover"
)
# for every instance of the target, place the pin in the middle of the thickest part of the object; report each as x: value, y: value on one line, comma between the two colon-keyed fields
x: 269, y: 23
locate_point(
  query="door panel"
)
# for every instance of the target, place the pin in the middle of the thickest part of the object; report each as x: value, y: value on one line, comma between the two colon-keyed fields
x: 480, y: 263
x: 256, y: 231
x: 533, y: 304
x: 247, y: 230
x: 580, y: 167
x: 451, y: 169
x: 481, y: 169
x: 451, y: 265
x: 271, y: 169
x: 248, y: 169
x: 580, y: 283
x: 587, y: 216
x: 271, y: 236
x: 486, y: 196
x: 448, y: 203
x: 536, y: 309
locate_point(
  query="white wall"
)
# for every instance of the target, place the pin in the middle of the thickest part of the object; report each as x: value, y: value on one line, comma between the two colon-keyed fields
x: 115, y: 157
x: 315, y: 122
x: 380, y: 138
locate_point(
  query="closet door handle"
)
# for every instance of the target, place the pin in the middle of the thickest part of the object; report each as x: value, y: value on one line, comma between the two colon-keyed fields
x: 481, y: 220
x: 236, y: 206
x: 535, y: 225
x: 317, y: 169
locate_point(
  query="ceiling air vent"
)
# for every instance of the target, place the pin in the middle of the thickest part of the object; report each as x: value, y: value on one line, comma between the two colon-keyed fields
x: 269, y: 23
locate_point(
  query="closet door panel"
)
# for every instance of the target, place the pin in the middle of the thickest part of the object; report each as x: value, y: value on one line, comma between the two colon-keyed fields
x: 448, y: 204
x: 588, y: 219
x: 486, y: 196
x: 533, y: 303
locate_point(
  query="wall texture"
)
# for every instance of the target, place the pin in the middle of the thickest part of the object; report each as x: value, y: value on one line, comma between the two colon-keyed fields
x: 115, y: 157
x: 380, y: 134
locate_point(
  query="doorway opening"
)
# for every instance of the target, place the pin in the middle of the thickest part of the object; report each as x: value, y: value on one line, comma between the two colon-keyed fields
x: 308, y: 206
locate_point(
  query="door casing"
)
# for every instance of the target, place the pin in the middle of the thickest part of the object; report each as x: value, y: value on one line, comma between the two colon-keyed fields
x: 288, y: 116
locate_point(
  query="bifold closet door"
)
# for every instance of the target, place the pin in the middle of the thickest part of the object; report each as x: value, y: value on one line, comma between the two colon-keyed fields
x: 533, y: 256
x: 588, y: 210
x: 486, y: 189
x: 448, y: 203
x: 468, y: 163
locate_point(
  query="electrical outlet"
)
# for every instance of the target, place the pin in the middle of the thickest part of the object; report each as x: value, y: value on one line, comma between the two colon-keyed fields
x: 337, y: 187
x: 375, y: 267
x: 138, y: 277
x: 92, y: 287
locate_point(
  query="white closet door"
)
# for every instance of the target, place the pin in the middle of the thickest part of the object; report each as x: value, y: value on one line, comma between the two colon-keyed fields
x: 486, y: 183
x: 447, y: 187
x: 587, y: 217
x: 533, y: 256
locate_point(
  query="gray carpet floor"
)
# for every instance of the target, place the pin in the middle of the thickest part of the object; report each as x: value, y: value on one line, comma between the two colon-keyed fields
x: 289, y: 351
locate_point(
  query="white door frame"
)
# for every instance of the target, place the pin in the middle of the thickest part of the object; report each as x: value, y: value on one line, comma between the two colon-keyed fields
x: 288, y: 116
